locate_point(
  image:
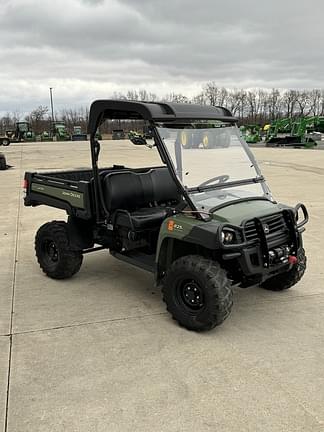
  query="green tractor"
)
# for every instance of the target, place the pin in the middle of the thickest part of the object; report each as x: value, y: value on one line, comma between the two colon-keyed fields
x: 307, y: 130
x: 301, y: 132
x: 78, y: 135
x: 60, y: 132
x: 24, y: 132
x: 46, y: 136
x: 278, y: 132
x: 251, y: 133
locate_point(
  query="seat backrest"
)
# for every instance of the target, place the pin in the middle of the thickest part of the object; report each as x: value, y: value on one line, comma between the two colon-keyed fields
x: 123, y: 190
x: 164, y: 187
x: 129, y: 190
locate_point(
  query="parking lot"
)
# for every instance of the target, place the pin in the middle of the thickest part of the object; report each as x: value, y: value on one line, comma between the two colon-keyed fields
x: 99, y: 352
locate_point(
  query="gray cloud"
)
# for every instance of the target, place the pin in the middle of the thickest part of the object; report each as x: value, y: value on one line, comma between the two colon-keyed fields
x: 90, y: 48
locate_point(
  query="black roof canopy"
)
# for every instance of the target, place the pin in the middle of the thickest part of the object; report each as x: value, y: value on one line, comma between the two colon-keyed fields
x: 154, y: 111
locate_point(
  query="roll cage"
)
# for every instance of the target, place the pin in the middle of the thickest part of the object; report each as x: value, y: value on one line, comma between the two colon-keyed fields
x: 153, y: 113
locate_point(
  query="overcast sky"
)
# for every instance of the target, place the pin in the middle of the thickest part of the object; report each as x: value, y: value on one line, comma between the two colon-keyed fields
x: 88, y: 49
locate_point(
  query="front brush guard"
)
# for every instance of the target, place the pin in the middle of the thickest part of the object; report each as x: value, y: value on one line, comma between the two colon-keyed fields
x: 234, y: 250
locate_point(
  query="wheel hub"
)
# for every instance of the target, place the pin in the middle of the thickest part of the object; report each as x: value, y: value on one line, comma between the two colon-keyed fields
x: 192, y: 295
x: 51, y: 251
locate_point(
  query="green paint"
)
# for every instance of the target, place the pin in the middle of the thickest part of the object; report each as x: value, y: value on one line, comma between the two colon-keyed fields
x: 235, y: 214
x: 73, y: 197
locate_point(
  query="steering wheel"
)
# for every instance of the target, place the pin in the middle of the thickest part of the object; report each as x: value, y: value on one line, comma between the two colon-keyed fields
x: 220, y: 179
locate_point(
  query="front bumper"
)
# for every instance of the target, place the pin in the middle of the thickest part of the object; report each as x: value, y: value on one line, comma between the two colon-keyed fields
x: 268, y: 253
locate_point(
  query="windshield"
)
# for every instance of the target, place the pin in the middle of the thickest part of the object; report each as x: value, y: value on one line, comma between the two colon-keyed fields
x: 213, y: 162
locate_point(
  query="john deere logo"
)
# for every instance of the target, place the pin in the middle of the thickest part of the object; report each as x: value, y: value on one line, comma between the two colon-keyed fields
x: 266, y: 229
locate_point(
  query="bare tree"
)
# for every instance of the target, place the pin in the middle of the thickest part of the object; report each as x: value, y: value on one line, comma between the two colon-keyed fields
x: 37, y: 117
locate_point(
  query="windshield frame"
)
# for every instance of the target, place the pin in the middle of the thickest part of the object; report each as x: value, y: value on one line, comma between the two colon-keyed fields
x: 166, y: 157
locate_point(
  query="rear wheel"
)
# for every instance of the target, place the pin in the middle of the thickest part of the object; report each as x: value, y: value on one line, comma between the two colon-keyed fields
x: 53, y: 252
x: 197, y: 293
x: 289, y: 278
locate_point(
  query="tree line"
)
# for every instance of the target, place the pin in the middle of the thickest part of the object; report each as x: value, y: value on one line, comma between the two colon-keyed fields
x: 259, y: 106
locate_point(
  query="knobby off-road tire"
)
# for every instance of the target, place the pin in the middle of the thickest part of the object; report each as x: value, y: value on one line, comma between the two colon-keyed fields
x: 289, y: 278
x: 53, y: 252
x: 197, y: 293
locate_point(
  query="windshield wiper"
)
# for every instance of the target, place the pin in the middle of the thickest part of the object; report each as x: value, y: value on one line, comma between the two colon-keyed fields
x: 226, y: 185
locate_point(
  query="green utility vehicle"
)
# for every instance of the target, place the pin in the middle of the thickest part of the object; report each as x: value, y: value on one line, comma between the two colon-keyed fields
x: 251, y: 133
x: 202, y: 221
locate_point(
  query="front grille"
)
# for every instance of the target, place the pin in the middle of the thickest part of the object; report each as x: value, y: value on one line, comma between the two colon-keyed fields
x: 273, y: 225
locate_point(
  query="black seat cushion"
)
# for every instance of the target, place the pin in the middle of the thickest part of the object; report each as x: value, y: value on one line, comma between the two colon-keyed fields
x: 140, y: 219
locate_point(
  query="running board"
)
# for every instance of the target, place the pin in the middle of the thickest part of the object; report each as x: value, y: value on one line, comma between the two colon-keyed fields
x: 137, y: 259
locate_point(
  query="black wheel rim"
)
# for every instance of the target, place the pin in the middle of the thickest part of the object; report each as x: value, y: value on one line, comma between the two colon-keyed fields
x: 50, y: 252
x: 190, y: 294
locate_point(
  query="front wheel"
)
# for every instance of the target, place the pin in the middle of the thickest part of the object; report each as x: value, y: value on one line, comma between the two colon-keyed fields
x: 53, y: 251
x: 289, y: 278
x: 5, y: 142
x: 197, y: 293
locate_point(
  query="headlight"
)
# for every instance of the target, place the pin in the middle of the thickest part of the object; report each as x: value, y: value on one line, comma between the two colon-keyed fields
x: 227, y: 236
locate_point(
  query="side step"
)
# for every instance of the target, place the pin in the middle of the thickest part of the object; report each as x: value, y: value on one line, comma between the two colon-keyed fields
x: 137, y: 259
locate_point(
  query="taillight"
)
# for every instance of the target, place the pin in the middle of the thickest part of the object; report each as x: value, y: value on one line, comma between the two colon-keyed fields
x: 25, y: 185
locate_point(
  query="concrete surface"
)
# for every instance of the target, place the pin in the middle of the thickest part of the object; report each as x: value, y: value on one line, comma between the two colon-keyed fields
x: 4, y: 368
x: 99, y: 353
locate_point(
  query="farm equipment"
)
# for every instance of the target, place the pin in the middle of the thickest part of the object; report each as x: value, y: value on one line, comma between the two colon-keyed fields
x: 118, y: 134
x: 307, y: 130
x: 59, y: 132
x: 78, y: 135
x: 23, y: 132
x: 278, y: 132
x: 203, y: 136
x: 46, y: 136
x: 251, y: 133
x: 202, y: 221
x: 301, y: 132
x: 136, y: 138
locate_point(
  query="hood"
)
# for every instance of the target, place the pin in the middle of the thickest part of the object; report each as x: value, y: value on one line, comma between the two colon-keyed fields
x: 236, y: 213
